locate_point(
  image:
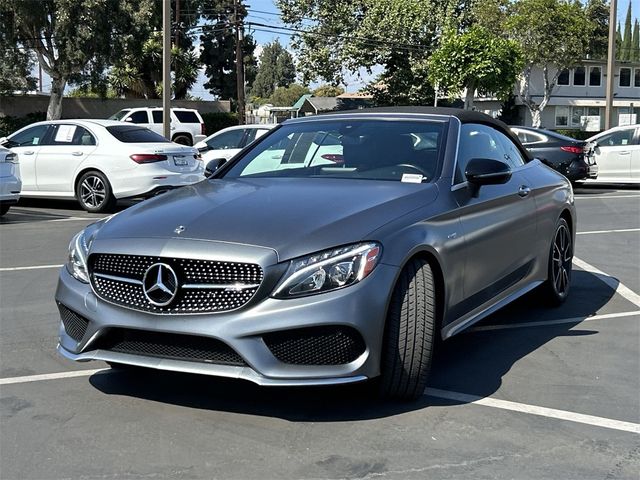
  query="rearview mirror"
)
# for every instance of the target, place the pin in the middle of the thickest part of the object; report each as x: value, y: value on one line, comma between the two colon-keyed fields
x: 213, y: 166
x: 486, y: 171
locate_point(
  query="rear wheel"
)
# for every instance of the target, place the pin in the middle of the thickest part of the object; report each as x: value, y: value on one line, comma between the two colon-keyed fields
x: 183, y: 140
x: 556, y: 287
x: 93, y: 192
x: 409, y: 333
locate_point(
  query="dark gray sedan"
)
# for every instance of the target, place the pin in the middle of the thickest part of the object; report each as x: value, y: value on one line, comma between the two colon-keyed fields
x: 333, y: 250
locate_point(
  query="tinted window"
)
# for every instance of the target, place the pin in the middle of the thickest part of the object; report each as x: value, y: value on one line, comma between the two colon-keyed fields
x: 139, y: 117
x: 186, y: 116
x: 253, y: 133
x: 513, y: 157
x: 131, y: 134
x: 356, y: 149
x: 226, y: 140
x: 30, y: 136
x: 578, y: 76
x: 616, y: 139
x: 625, y: 77
x: 157, y: 116
x: 595, y: 74
x: 67, y: 134
x: 477, y: 141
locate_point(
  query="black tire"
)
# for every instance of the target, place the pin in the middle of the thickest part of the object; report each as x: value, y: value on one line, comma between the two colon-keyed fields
x: 556, y: 288
x: 4, y: 209
x: 93, y: 192
x: 183, y: 140
x: 409, y: 333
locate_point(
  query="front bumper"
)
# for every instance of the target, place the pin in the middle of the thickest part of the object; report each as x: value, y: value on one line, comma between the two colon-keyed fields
x: 361, y: 307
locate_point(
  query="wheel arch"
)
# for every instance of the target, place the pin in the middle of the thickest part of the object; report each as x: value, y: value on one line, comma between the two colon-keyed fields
x: 183, y: 134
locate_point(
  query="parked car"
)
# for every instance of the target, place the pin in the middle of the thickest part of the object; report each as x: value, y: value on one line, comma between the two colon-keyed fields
x: 187, y: 125
x: 564, y: 154
x: 617, y: 152
x: 10, y: 183
x: 99, y: 161
x: 324, y: 274
x: 227, y: 142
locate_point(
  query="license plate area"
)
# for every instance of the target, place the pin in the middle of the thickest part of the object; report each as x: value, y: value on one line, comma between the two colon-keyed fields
x: 180, y: 160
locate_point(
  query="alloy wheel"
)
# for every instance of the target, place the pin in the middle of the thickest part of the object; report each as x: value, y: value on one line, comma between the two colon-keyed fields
x: 93, y: 192
x: 561, y: 261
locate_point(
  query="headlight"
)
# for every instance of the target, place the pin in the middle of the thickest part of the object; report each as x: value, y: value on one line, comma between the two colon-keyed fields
x: 328, y: 270
x: 77, y: 262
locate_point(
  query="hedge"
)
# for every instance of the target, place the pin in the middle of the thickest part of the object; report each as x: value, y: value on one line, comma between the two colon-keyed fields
x: 577, y: 134
x: 9, y: 124
x: 218, y: 120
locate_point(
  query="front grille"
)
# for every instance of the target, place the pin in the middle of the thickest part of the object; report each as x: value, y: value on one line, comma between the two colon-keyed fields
x: 173, y: 346
x: 331, y: 345
x: 205, y: 286
x: 74, y: 324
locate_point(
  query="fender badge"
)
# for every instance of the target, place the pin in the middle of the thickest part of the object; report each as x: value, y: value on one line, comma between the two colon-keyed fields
x: 179, y: 230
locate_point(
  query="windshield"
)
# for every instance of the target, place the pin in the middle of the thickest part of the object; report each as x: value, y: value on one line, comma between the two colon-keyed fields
x: 406, y: 151
x: 118, y: 116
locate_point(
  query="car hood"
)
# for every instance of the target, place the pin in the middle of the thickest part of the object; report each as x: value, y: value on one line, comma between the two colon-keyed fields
x: 294, y: 217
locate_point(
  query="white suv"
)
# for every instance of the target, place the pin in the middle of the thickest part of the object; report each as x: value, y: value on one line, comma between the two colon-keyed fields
x: 187, y: 126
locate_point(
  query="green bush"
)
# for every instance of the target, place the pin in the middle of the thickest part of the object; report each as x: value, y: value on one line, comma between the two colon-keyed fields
x: 577, y: 134
x: 218, y: 120
x: 9, y: 124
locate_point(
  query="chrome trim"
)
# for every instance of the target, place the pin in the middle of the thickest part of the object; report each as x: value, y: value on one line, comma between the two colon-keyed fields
x: 220, y: 286
x: 455, y: 162
x: 118, y: 279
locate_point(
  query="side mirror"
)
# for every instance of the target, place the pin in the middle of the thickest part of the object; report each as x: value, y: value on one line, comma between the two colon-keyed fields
x: 213, y: 166
x: 128, y: 119
x: 202, y: 146
x: 3, y: 140
x: 486, y: 171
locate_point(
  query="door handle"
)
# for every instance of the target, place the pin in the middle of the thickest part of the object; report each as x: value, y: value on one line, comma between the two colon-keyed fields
x: 30, y: 152
x: 523, y: 191
x: 76, y: 154
x: 624, y: 153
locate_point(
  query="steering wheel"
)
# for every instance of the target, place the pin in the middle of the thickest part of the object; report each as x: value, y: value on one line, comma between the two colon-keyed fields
x: 413, y: 167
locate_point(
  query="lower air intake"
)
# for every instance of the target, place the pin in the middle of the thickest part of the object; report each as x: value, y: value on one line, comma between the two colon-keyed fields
x: 74, y: 324
x: 333, y: 345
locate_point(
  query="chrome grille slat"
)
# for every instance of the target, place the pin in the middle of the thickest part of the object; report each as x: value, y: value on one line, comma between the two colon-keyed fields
x: 206, y: 286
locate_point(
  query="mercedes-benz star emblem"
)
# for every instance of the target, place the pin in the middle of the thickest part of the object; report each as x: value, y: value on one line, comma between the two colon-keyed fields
x: 179, y: 230
x: 160, y: 284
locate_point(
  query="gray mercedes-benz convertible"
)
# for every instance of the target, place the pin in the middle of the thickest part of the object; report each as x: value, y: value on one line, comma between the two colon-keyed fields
x: 332, y: 250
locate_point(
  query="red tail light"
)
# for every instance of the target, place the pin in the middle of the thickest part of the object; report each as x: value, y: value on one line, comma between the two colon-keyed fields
x: 333, y: 157
x: 203, y: 129
x: 572, y: 149
x: 147, y: 157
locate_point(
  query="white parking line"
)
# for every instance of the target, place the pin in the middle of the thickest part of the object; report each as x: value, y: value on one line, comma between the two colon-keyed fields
x: 623, y: 230
x: 50, y: 376
x: 560, y: 321
x: 614, y: 283
x: 535, y: 410
x: 36, y: 267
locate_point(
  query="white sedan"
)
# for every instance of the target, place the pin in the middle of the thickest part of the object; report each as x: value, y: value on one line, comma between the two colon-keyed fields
x: 617, y: 154
x: 10, y: 183
x: 100, y: 161
x: 227, y: 142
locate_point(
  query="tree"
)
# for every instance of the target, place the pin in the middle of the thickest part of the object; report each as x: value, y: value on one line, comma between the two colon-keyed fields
x: 218, y: 49
x: 626, y: 49
x: 598, y: 12
x: 345, y: 36
x: 475, y: 60
x: 328, y: 91
x: 73, y: 37
x: 287, y: 96
x: 276, y: 69
x: 553, y: 35
x: 635, y: 53
x: 15, y: 62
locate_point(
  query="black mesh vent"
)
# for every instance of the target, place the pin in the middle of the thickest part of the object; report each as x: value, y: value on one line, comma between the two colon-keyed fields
x: 174, y: 346
x: 205, y: 286
x: 74, y: 324
x: 333, y: 345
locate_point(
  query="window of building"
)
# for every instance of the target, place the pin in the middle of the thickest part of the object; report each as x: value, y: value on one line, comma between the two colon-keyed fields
x: 593, y: 111
x: 576, y: 113
x: 595, y: 76
x: 563, y: 78
x: 625, y: 77
x: 636, y: 81
x: 578, y: 76
x: 562, y: 116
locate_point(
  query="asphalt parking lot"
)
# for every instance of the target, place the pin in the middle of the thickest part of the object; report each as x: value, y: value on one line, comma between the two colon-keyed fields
x: 530, y: 392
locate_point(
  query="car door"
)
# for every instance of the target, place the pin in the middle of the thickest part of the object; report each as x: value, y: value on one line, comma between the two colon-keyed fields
x: 613, y: 153
x: 27, y: 144
x: 67, y: 146
x: 498, y: 221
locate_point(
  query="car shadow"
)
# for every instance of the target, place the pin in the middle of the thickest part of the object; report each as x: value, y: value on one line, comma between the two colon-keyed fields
x: 473, y: 362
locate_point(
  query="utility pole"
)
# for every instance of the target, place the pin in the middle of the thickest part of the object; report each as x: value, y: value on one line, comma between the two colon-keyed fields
x: 178, y: 25
x: 611, y: 63
x: 166, y: 69
x: 239, y: 62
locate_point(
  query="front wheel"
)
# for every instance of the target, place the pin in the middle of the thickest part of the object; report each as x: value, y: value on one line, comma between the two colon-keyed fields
x: 93, y: 192
x: 409, y: 333
x: 560, y: 264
